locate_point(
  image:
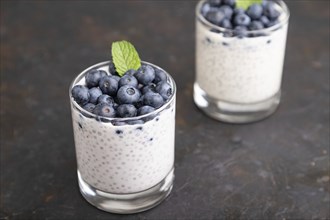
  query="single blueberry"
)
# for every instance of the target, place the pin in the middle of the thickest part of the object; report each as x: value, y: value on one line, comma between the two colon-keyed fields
x: 145, y: 110
x: 226, y: 24
x: 270, y: 10
x: 159, y: 76
x: 80, y: 94
x: 108, y: 85
x: 89, y: 107
x: 145, y: 74
x: 112, y: 68
x: 256, y: 25
x: 240, y: 31
x: 128, y: 95
x: 94, y: 94
x: 126, y: 111
x: 227, y: 10
x: 128, y: 80
x: 105, y: 99
x: 149, y: 88
x: 105, y: 110
x: 153, y: 99
x: 130, y: 72
x: 164, y: 89
x: 214, y: 2
x: 115, y: 77
x: 254, y: 11
x: 206, y: 8
x: 231, y: 3
x: 93, y: 77
x: 215, y: 17
x: 242, y: 20
x: 265, y: 21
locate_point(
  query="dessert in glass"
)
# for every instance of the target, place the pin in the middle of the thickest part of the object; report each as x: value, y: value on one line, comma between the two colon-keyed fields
x: 124, y: 126
x: 239, y: 58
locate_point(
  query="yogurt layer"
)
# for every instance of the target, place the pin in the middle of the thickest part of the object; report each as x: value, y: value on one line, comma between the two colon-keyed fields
x: 241, y: 70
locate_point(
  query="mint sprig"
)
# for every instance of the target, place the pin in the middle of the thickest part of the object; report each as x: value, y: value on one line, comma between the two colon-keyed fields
x: 246, y: 3
x: 124, y: 57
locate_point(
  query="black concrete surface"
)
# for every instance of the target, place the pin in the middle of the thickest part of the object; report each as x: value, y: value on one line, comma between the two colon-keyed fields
x: 274, y: 169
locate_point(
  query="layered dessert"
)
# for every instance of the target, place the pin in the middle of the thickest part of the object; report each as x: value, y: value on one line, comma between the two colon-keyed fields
x: 240, y: 48
x: 123, y: 115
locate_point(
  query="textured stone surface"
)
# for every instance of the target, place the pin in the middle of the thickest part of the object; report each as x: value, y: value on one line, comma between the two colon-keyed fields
x: 277, y: 168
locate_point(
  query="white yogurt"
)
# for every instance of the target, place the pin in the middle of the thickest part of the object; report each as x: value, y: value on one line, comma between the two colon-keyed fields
x: 128, y: 158
x: 238, y: 70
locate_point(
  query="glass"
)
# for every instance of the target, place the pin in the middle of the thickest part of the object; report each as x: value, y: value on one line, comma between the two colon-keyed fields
x: 238, y: 80
x: 125, y: 165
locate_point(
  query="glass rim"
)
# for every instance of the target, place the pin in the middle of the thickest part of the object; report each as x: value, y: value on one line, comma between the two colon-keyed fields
x: 117, y: 119
x: 284, y: 20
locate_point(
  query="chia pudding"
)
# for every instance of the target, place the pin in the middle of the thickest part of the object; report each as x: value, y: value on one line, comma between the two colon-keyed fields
x: 243, y: 63
x: 123, y: 117
x: 126, y: 158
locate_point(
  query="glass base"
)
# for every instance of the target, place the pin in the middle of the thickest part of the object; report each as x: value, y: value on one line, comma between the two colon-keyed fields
x: 127, y: 203
x: 235, y: 112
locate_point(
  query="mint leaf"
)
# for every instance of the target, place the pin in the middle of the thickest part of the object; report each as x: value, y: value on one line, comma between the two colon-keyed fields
x: 246, y: 3
x: 124, y: 57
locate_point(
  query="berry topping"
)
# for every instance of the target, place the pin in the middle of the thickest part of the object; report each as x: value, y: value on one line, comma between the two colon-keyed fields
x: 159, y: 76
x: 242, y: 20
x: 94, y: 94
x: 105, y: 99
x: 145, y: 74
x: 89, y: 107
x: 145, y: 110
x: 153, y: 99
x: 108, y: 85
x: 126, y: 111
x: 128, y: 80
x: 254, y: 11
x: 128, y: 95
x: 80, y: 94
x: 93, y: 77
x: 149, y: 88
x: 104, y: 110
x: 164, y: 89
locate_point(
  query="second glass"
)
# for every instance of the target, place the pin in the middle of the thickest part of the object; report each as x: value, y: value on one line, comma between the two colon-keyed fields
x: 238, y: 79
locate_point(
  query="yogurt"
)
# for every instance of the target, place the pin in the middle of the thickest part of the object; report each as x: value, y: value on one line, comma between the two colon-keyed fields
x: 239, y: 70
x: 128, y: 158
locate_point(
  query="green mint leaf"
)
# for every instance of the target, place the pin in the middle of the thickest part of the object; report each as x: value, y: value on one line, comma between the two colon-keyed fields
x: 246, y: 3
x: 124, y: 57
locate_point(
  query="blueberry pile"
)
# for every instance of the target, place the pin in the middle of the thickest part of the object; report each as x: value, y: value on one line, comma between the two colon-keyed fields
x: 225, y: 14
x: 137, y: 92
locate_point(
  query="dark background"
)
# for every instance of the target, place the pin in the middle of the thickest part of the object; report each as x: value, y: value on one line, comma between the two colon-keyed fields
x: 274, y: 169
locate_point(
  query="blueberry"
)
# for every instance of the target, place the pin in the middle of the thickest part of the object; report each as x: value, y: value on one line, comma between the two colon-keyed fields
x: 128, y: 95
x: 214, y: 2
x: 128, y: 80
x: 80, y: 94
x: 89, y: 107
x: 105, y: 99
x: 105, y: 110
x: 265, y: 21
x: 215, y: 17
x: 164, y: 89
x: 112, y: 68
x: 93, y: 77
x: 108, y: 85
x: 231, y: 3
x: 254, y: 11
x: 94, y: 94
x: 227, y: 10
x: 240, y: 31
x: 239, y: 11
x: 126, y: 111
x: 270, y: 10
x: 153, y: 99
x: 159, y: 76
x: 226, y: 24
x: 130, y: 72
x: 145, y: 74
x: 242, y: 20
x: 149, y: 88
x: 145, y: 110
x: 256, y: 25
